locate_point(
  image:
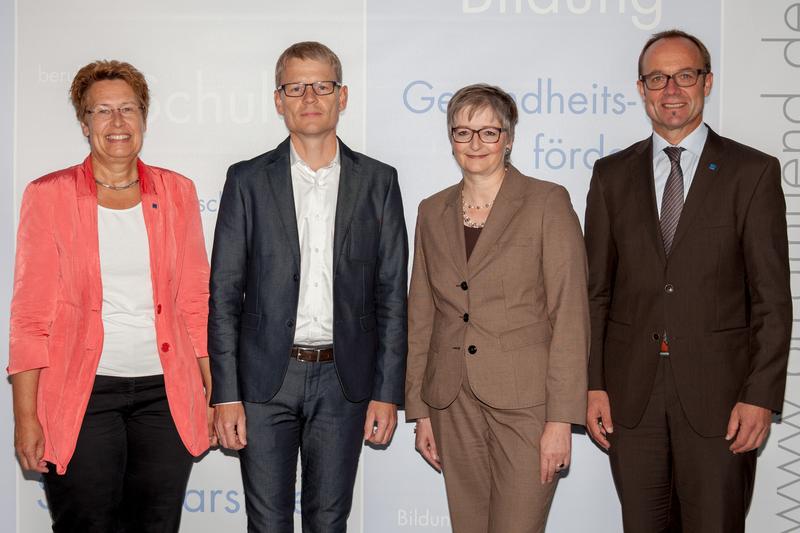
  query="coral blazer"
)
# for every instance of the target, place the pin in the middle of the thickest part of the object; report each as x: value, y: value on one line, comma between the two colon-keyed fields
x: 56, y: 322
x: 513, y: 319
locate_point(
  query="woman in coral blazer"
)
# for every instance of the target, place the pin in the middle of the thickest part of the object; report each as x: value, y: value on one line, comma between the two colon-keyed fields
x: 498, y: 327
x: 108, y: 323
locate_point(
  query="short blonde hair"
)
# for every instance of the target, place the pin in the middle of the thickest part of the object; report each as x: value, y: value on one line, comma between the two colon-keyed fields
x: 308, y: 50
x: 107, y: 70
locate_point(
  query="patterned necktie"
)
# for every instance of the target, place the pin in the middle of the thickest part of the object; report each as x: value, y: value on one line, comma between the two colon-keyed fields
x: 672, y: 202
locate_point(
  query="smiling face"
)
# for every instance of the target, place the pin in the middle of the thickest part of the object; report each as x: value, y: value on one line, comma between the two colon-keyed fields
x: 310, y: 115
x: 674, y: 111
x: 477, y: 158
x: 115, y: 138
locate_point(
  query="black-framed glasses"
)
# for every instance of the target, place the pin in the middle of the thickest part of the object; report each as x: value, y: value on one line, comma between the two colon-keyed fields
x: 489, y: 134
x: 298, y: 89
x: 104, y: 112
x: 683, y: 78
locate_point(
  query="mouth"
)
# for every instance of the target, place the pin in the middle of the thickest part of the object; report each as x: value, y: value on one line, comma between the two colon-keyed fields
x: 118, y: 137
x: 673, y: 106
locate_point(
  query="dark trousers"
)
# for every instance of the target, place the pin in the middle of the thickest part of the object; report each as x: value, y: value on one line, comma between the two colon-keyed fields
x: 311, y: 414
x: 663, y: 458
x: 130, y: 468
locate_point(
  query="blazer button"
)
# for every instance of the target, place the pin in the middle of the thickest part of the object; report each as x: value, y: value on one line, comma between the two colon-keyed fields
x: 290, y: 323
x: 465, y: 317
x: 165, y: 347
x: 472, y: 349
x: 656, y: 337
x: 464, y: 286
x: 668, y: 288
x: 296, y: 277
x: 158, y: 309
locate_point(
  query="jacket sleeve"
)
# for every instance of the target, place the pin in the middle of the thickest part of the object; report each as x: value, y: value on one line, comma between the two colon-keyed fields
x: 766, y: 256
x: 390, y: 299
x: 421, y: 311
x: 601, y: 253
x: 34, y: 301
x: 193, y: 288
x: 564, y: 274
x: 228, y: 276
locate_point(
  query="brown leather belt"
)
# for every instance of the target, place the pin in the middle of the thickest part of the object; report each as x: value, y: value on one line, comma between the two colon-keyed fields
x: 312, y: 354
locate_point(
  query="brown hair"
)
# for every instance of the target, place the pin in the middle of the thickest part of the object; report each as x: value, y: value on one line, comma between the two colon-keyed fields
x: 308, y: 50
x: 481, y: 96
x: 107, y: 70
x: 676, y: 34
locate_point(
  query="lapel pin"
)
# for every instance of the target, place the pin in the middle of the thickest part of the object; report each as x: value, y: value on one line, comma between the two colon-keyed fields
x: 155, y: 205
x: 712, y: 166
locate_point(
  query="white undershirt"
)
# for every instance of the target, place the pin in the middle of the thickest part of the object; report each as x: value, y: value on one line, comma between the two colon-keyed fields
x: 129, y: 346
x: 315, y: 195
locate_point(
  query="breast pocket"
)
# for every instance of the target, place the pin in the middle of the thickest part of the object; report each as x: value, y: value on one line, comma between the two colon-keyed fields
x: 363, y: 244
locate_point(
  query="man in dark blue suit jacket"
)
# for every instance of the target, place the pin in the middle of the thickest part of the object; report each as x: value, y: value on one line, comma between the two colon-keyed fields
x: 307, y: 325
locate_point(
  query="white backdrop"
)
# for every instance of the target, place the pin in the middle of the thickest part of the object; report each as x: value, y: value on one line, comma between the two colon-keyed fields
x: 571, y: 65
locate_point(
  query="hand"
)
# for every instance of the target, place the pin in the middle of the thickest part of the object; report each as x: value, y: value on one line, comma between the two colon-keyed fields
x: 213, y: 441
x: 750, y: 424
x: 425, y: 443
x: 598, y: 417
x: 554, y: 449
x: 229, y: 423
x: 29, y: 444
x: 380, y: 423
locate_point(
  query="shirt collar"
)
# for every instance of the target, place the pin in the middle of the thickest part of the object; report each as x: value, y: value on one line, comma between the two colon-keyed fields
x: 693, y: 143
x: 296, y: 160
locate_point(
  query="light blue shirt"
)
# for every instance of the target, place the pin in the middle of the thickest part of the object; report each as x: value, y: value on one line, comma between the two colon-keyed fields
x: 693, y: 144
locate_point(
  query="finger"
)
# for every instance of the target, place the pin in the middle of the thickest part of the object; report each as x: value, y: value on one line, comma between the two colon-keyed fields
x: 745, y: 432
x: 733, y: 425
x: 41, y: 467
x: 597, y: 434
x: 241, y: 430
x: 369, y: 425
x: 608, y: 424
x: 762, y: 436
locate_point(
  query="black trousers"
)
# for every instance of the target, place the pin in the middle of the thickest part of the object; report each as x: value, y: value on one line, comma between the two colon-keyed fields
x: 663, y: 458
x: 311, y: 414
x: 130, y: 468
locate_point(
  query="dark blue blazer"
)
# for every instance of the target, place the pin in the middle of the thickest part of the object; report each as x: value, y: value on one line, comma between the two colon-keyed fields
x: 255, y: 280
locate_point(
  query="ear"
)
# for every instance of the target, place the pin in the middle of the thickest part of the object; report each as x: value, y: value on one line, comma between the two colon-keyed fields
x: 278, y: 102
x: 342, y: 98
x: 708, y: 83
x: 641, y: 88
x: 85, y: 128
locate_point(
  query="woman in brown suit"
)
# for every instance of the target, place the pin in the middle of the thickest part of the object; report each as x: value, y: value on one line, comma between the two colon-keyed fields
x: 498, y: 327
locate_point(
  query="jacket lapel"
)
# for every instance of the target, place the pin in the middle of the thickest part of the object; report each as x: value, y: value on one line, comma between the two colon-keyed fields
x: 702, y: 184
x: 350, y: 182
x: 641, y: 170
x: 279, y: 179
x: 509, y: 199
x: 453, y: 222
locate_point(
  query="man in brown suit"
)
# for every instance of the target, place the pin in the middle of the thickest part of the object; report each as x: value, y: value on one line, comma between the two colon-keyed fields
x: 690, y: 304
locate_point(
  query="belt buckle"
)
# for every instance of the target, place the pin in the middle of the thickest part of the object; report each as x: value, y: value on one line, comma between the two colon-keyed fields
x: 304, y: 355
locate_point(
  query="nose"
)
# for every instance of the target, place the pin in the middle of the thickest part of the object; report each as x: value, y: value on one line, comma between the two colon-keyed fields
x: 475, y: 143
x: 116, y: 117
x: 309, y: 96
x: 672, y: 87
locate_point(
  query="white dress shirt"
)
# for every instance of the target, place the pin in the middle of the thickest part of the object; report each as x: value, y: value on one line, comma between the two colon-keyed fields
x: 315, y: 194
x: 693, y: 144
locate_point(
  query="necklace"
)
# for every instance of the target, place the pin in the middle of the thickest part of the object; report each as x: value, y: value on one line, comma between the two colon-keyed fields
x: 117, y: 187
x: 468, y: 221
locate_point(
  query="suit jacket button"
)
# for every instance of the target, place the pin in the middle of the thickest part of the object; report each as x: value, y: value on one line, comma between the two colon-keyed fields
x: 472, y: 349
x: 464, y: 285
x: 656, y: 337
x: 158, y: 309
x: 165, y: 347
x: 290, y: 323
x: 668, y: 288
x: 296, y: 277
x: 465, y: 317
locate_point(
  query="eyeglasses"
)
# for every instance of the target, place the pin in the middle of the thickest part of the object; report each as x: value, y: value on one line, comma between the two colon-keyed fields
x: 489, y: 135
x: 104, y: 112
x: 298, y: 89
x: 684, y: 78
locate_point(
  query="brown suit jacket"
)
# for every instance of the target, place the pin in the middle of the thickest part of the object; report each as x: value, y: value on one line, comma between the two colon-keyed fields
x: 514, y: 317
x: 722, y: 296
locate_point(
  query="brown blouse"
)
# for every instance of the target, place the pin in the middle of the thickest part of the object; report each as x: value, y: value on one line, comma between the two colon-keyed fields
x: 471, y: 238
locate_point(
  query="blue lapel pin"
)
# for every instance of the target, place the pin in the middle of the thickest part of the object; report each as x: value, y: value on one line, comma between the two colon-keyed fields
x: 712, y: 166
